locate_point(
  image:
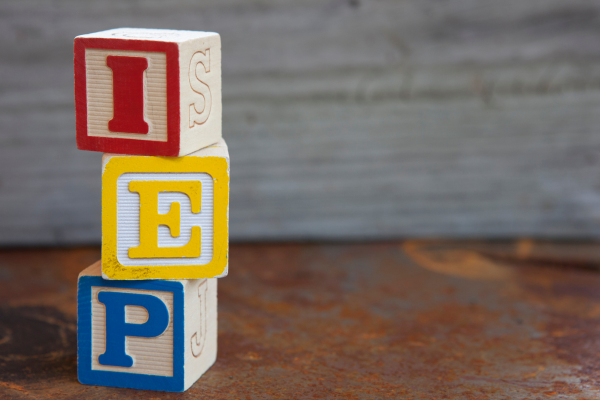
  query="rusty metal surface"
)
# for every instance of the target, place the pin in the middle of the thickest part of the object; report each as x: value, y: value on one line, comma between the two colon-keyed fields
x: 410, y: 320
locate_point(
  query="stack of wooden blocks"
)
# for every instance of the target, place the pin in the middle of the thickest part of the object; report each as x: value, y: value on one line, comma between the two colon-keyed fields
x: 151, y: 101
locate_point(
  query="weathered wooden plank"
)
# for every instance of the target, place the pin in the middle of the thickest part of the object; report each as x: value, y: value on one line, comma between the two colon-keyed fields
x: 390, y: 168
x: 345, y: 119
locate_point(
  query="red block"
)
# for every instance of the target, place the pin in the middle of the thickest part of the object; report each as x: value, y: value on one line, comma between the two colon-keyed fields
x: 148, y: 91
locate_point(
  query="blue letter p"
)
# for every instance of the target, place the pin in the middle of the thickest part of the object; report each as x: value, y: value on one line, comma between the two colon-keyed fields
x: 117, y: 329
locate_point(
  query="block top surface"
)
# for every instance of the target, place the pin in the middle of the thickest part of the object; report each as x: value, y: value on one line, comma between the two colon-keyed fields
x: 95, y: 270
x: 159, y: 35
x: 218, y: 149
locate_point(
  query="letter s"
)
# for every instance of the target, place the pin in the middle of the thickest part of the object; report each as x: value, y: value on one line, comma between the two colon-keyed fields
x: 199, y: 86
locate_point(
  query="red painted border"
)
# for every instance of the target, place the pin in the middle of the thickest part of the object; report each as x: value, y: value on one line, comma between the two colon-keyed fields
x: 128, y: 146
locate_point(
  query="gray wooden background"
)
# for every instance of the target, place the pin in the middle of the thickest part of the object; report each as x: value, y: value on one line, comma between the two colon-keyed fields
x: 346, y: 119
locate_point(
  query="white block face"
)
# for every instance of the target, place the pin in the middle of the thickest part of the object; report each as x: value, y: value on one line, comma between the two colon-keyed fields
x: 200, y: 91
x: 151, y: 356
x: 99, y: 89
x: 128, y: 222
x: 159, y: 35
x: 200, y: 328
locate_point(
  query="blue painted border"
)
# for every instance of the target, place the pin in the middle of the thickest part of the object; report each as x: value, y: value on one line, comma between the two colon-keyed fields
x: 88, y: 376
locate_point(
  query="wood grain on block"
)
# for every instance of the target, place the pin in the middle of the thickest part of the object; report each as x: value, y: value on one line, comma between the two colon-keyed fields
x: 153, y: 356
x: 166, y: 218
x: 171, y: 359
x: 148, y: 91
x: 100, y: 105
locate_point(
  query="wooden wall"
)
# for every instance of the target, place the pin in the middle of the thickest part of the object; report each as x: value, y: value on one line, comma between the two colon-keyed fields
x: 346, y: 119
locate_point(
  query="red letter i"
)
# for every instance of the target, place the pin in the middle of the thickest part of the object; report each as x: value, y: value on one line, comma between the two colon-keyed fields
x: 128, y: 94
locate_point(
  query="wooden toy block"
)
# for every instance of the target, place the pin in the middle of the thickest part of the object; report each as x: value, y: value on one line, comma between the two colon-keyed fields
x: 157, y: 335
x: 148, y: 92
x: 166, y: 217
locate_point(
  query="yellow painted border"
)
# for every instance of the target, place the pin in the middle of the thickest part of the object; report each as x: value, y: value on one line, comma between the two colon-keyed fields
x: 217, y: 167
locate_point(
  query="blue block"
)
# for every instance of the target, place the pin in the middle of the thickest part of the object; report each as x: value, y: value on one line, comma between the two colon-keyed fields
x: 156, y: 335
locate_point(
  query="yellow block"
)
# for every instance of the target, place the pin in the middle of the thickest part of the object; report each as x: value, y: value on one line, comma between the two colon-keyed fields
x: 131, y: 186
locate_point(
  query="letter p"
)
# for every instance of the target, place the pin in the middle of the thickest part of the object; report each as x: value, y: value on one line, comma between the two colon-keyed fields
x: 117, y: 329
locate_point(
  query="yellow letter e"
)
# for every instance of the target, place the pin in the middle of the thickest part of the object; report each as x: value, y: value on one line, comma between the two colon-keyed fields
x: 150, y: 219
